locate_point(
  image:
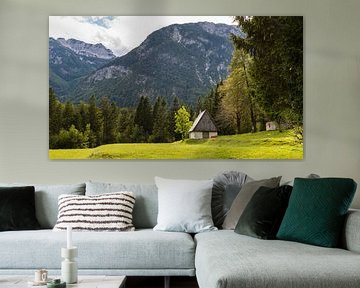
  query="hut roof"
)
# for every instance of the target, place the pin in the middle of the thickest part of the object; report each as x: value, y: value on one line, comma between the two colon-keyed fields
x: 203, y: 122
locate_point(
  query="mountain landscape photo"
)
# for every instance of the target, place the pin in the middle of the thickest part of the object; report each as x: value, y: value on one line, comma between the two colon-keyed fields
x: 112, y: 82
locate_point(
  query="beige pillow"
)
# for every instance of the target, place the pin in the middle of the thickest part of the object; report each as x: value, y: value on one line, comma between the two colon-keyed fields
x: 243, y: 198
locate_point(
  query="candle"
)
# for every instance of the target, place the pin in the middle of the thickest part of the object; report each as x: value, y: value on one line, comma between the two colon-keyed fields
x: 69, y: 237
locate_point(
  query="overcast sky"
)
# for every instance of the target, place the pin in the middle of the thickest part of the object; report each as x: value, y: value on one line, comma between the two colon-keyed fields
x: 119, y: 33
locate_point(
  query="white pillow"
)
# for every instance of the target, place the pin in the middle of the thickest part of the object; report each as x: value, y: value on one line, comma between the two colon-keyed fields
x: 105, y: 212
x: 184, y: 205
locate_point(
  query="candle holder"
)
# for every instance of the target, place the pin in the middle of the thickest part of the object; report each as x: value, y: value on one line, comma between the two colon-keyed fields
x: 68, y: 265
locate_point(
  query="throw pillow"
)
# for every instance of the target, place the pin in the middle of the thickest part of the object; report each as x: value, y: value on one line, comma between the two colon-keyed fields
x: 243, y: 198
x: 263, y: 215
x: 184, y: 205
x: 146, y: 205
x: 226, y: 187
x: 106, y: 212
x: 317, y: 209
x: 46, y: 200
x: 17, y: 208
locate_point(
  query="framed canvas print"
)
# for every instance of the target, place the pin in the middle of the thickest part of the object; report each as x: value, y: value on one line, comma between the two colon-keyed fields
x: 175, y: 87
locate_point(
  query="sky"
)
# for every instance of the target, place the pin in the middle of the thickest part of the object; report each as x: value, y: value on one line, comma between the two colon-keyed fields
x: 119, y: 33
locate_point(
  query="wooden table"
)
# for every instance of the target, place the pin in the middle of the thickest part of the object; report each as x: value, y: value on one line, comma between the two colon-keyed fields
x: 83, y: 282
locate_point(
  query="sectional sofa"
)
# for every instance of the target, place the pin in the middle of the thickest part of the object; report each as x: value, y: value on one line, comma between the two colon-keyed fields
x: 219, y: 259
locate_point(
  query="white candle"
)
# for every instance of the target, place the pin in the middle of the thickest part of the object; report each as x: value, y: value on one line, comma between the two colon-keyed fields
x: 69, y: 239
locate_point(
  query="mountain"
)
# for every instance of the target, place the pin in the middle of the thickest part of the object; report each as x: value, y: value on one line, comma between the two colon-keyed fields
x: 183, y: 60
x: 70, y: 59
x: 86, y: 49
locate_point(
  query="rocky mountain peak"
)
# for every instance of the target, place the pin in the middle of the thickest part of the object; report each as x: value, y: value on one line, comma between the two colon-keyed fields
x: 86, y: 49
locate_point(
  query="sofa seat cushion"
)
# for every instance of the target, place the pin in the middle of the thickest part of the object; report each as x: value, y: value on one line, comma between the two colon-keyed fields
x: 226, y: 259
x: 142, y: 249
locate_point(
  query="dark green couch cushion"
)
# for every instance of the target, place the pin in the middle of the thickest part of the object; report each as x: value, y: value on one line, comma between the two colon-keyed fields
x: 263, y: 214
x: 17, y: 208
x: 316, y: 211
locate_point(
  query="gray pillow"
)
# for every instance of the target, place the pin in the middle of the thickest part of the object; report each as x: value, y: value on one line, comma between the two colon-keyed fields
x: 46, y: 200
x: 226, y: 187
x: 243, y: 198
x: 146, y: 204
x: 184, y: 205
x: 310, y: 176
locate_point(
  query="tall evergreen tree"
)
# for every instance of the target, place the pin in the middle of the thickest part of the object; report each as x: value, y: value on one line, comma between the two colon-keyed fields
x: 175, y: 136
x: 143, y: 115
x: 68, y: 116
x: 276, y: 44
x: 110, y: 118
x: 55, y: 113
x: 82, y: 116
x: 95, y: 121
x: 161, y: 122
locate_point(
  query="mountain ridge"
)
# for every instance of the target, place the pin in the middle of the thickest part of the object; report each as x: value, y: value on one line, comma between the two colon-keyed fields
x: 184, y: 60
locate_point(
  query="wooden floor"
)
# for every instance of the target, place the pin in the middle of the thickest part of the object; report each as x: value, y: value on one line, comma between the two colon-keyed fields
x: 158, y: 282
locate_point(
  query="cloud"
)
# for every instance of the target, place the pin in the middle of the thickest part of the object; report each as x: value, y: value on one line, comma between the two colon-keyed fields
x: 119, y: 33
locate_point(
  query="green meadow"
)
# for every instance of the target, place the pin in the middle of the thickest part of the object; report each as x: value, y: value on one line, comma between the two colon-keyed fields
x: 260, y: 145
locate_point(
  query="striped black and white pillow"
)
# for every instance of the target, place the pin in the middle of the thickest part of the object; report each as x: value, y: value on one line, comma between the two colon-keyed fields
x: 105, y: 212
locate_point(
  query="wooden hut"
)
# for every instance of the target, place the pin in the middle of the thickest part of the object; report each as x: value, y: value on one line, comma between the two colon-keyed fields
x: 203, y: 127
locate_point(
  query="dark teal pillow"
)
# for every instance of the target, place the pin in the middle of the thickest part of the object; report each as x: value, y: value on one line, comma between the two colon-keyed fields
x: 316, y: 211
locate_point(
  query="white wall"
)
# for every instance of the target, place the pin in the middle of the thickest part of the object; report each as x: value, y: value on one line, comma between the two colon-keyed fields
x: 331, y: 91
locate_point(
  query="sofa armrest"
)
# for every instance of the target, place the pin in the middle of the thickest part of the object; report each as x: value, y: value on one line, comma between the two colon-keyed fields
x: 351, y: 234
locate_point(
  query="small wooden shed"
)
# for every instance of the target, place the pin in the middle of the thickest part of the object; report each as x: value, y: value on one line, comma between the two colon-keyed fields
x: 203, y: 127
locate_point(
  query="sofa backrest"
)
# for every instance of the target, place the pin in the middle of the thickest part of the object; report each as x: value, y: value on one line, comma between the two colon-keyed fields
x: 46, y: 200
x: 146, y: 203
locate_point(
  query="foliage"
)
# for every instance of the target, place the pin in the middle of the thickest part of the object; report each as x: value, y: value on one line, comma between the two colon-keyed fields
x: 236, y: 105
x: 144, y: 115
x: 160, y: 133
x: 182, y: 122
x: 276, y: 45
x: 260, y: 145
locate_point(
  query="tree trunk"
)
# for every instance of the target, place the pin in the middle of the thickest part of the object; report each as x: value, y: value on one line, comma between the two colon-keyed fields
x: 238, y: 123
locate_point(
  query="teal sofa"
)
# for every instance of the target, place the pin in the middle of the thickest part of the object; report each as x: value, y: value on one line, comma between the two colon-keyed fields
x: 219, y: 259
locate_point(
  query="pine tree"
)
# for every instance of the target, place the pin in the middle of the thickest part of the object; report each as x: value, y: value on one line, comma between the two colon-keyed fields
x: 171, y: 115
x: 95, y: 121
x: 276, y: 46
x: 68, y: 116
x: 55, y: 113
x: 143, y: 116
x: 110, y: 118
x: 161, y: 122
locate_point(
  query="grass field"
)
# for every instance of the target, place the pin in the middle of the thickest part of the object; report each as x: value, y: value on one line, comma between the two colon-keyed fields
x: 261, y: 145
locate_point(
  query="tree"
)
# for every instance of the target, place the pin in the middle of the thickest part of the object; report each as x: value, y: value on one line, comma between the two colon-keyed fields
x: 161, y: 122
x: 236, y: 104
x: 95, y: 121
x: 110, y: 118
x: 172, y: 126
x: 82, y: 116
x: 55, y: 114
x: 71, y: 139
x: 276, y: 45
x: 143, y: 116
x: 182, y: 122
x: 68, y: 116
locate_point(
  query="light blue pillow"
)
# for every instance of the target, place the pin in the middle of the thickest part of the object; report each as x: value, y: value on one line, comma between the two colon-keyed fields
x: 184, y: 205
